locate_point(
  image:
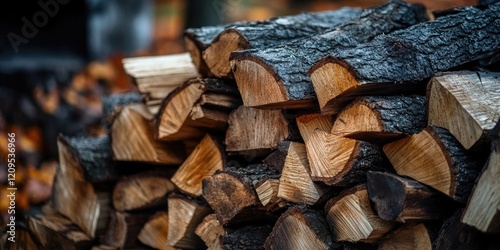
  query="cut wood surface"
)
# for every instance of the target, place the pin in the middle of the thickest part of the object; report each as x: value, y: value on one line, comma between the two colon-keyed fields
x: 410, y: 236
x: 393, y: 63
x: 267, y: 191
x: 453, y: 172
x: 295, y: 183
x: 206, y: 158
x: 123, y: 229
x: 76, y: 198
x: 156, y: 76
x: 482, y: 211
x: 403, y: 199
x: 174, y: 121
x: 351, y: 218
x: 381, y: 119
x: 262, y: 34
x: 255, y: 131
x: 300, y: 227
x: 141, y: 191
x: 132, y: 138
x: 220, y: 101
x: 466, y: 103
x: 210, y: 230
x: 155, y: 232
x: 209, y: 119
x: 196, y: 40
x: 272, y: 77
x: 340, y: 161
x: 232, y: 196
x: 184, y: 215
x: 54, y: 231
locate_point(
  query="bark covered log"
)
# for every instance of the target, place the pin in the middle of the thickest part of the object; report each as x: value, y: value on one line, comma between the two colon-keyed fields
x: 196, y: 40
x: 395, y: 63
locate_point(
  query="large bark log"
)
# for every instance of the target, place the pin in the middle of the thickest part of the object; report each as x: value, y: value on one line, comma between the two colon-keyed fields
x: 466, y: 103
x: 232, y: 196
x: 381, y: 119
x: 157, y: 76
x: 352, y: 219
x: 453, y: 171
x: 262, y: 34
x: 275, y: 78
x: 132, y: 138
x: 394, y: 63
x: 403, y: 199
x: 482, y: 208
x: 300, y: 227
x: 206, y: 158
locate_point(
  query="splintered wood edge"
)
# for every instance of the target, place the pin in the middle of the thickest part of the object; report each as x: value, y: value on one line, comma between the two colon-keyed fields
x: 217, y: 54
x: 417, y: 157
x: 171, y: 116
x: 258, y: 83
x: 194, y: 51
x: 205, y: 159
x: 267, y: 191
x: 330, y: 79
x: 484, y: 203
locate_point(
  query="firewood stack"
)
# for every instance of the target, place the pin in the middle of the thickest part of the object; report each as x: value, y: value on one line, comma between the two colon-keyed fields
x: 342, y: 129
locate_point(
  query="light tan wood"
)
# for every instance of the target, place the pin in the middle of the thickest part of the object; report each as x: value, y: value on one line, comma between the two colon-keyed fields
x: 132, y: 137
x: 254, y: 130
x: 308, y: 123
x: 483, y: 208
x: 212, y: 119
x: 193, y: 50
x: 351, y: 218
x: 407, y: 237
x: 206, y: 158
x: 184, y: 216
x: 209, y: 230
x: 466, y: 103
x: 267, y: 191
x: 356, y: 118
x: 217, y: 54
x: 420, y: 153
x: 329, y: 81
x: 155, y: 232
x: 295, y: 183
x: 219, y: 100
x: 257, y: 85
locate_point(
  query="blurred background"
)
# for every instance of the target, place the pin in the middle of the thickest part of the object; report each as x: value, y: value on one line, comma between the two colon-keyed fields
x: 59, y: 57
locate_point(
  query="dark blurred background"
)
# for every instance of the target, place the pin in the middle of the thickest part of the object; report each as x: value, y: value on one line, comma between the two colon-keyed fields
x: 59, y: 57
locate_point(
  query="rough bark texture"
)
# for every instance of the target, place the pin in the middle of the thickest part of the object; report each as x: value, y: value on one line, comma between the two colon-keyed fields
x: 112, y: 102
x: 412, y: 54
x: 203, y: 36
x: 245, y: 238
x: 290, y: 69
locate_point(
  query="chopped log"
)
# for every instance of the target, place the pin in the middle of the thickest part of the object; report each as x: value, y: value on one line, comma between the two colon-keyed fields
x: 232, y: 196
x: 410, y: 236
x: 300, y: 227
x: 183, y: 216
x: 405, y: 200
x: 262, y: 34
x: 381, y: 119
x: 84, y: 204
x: 206, y: 158
x: 220, y: 101
x: 272, y: 77
x: 141, y: 191
x: 482, y: 208
x: 155, y: 232
x: 295, y: 183
x: 208, y: 118
x: 472, y: 105
x: 456, y: 235
x: 173, y: 123
x: 256, y: 132
x: 453, y: 172
x: 393, y: 64
x: 112, y: 103
x: 132, y: 138
x: 54, y: 231
x: 157, y: 76
x: 123, y: 229
x: 352, y: 219
x: 308, y: 123
x: 267, y: 191
x: 196, y: 40
x: 247, y: 237
x: 340, y: 161
x: 210, y: 230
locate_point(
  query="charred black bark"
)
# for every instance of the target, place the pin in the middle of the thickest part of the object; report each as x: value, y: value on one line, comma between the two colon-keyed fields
x: 248, y: 237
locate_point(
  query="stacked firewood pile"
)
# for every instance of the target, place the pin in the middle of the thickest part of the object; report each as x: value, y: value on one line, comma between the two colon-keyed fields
x: 342, y: 129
